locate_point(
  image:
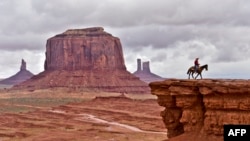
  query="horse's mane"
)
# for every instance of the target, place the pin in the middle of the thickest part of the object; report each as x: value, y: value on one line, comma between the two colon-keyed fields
x: 204, y: 65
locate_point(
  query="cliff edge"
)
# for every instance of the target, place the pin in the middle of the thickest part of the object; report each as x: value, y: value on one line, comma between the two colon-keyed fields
x: 198, y: 109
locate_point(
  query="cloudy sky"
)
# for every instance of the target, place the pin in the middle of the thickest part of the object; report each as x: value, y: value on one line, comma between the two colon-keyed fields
x: 168, y: 33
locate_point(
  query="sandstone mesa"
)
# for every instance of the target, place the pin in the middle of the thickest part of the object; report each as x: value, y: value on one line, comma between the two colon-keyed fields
x: 87, y: 58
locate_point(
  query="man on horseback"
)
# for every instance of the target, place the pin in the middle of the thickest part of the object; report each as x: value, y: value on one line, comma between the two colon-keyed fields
x: 196, y: 64
x: 196, y: 69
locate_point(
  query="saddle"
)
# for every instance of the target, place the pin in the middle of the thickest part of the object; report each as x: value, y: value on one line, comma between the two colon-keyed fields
x: 195, y: 70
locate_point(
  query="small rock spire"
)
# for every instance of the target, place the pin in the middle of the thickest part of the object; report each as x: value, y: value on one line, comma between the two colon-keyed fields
x: 23, y: 65
x: 138, y: 64
x: 145, y: 66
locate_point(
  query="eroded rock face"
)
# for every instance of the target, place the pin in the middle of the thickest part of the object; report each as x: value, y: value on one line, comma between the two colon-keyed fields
x: 84, y: 49
x: 86, y: 58
x: 202, y: 107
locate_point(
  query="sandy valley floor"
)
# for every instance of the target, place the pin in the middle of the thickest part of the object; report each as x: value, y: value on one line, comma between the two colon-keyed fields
x: 61, y: 115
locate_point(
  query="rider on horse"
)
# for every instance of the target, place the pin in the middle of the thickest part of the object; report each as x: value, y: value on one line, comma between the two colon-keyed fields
x: 196, y: 64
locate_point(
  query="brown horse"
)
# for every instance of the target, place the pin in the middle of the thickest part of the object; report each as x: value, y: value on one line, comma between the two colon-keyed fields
x: 199, y: 71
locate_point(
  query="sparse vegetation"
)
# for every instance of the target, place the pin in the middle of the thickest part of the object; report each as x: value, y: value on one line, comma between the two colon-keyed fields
x: 23, y: 101
x: 29, y: 104
x: 5, y: 86
x: 31, y: 115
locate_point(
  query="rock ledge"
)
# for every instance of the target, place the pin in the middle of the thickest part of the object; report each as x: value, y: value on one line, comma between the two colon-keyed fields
x: 200, y: 108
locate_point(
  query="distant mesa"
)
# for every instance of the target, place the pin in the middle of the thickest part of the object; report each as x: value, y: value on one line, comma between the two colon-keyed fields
x: 85, y: 58
x: 19, y: 77
x: 144, y: 73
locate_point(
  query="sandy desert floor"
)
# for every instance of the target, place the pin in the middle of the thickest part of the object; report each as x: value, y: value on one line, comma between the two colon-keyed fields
x: 61, y: 115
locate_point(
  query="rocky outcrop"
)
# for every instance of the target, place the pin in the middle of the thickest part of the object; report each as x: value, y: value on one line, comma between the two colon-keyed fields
x: 198, y: 109
x: 86, y: 58
x: 19, y: 77
x: 84, y: 49
x: 144, y: 73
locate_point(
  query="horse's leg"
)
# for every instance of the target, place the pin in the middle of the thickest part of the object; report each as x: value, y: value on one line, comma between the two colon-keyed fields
x: 193, y: 75
x: 188, y: 74
x: 196, y: 75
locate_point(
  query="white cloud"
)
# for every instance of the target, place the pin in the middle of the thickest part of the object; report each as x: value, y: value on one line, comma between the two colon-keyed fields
x: 169, y: 33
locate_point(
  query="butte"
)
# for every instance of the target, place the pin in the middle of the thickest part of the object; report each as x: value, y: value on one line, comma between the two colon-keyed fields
x: 22, y: 75
x: 87, y: 58
x: 145, y: 74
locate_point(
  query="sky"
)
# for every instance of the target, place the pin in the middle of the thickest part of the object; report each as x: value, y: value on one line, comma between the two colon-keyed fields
x: 168, y: 33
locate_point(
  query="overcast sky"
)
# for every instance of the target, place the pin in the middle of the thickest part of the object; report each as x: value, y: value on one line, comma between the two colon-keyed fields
x: 168, y: 33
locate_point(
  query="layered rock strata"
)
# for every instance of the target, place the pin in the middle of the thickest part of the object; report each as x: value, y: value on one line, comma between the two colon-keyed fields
x: 86, y: 58
x: 84, y: 49
x: 197, y: 110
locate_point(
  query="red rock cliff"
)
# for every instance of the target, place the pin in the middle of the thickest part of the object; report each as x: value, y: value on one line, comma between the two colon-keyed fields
x: 84, y: 49
x: 86, y: 58
x: 197, y: 110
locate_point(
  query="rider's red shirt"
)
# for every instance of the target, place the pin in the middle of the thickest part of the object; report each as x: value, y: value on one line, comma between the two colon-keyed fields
x: 196, y: 62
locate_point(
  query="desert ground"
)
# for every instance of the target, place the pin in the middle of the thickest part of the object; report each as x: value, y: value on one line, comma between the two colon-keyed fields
x: 64, y: 115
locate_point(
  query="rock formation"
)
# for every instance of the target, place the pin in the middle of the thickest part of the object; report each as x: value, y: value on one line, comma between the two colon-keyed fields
x: 86, y: 58
x: 144, y: 73
x: 84, y: 49
x: 19, y: 77
x: 197, y: 110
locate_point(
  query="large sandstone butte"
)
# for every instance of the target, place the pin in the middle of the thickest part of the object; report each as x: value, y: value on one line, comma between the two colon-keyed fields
x: 86, y: 58
x: 198, y: 109
x: 19, y: 77
x: 144, y: 73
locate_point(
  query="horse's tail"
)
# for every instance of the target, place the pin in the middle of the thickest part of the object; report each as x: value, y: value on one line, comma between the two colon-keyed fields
x: 188, y: 71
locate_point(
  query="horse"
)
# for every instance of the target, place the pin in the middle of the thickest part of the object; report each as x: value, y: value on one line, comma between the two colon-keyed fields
x: 199, y: 71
